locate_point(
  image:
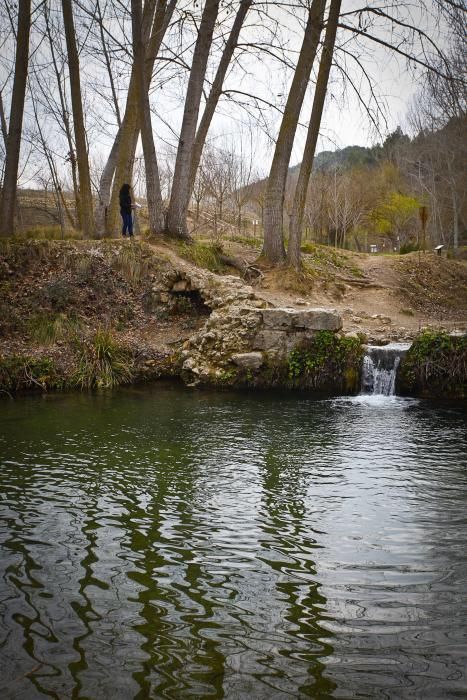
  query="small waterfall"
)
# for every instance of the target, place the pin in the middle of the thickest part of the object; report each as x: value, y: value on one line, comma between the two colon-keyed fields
x: 380, y: 368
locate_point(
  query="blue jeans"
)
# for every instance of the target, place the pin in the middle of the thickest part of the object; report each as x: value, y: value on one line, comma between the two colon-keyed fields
x: 127, y: 223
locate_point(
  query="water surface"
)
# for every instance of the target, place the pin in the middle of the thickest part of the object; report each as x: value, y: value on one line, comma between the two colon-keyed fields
x: 159, y: 543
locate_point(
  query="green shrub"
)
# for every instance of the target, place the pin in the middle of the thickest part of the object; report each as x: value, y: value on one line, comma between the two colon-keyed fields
x: 102, y: 362
x: 324, y: 254
x: 308, y: 248
x: 408, y: 248
x: 435, y: 364
x: 19, y: 372
x: 326, y: 362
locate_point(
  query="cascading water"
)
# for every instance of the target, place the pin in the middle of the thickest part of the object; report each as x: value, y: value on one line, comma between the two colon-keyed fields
x: 380, y: 368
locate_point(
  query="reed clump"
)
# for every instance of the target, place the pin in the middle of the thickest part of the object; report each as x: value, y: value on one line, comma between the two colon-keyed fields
x: 102, y: 362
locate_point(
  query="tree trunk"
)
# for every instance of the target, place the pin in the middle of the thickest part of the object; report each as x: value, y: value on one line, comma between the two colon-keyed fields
x: 65, y: 120
x: 153, y: 192
x: 124, y: 155
x: 108, y: 64
x: 273, y: 246
x: 180, y: 195
x: 105, y: 185
x: 13, y: 144
x: 455, y: 222
x: 87, y: 221
x: 298, y: 207
x: 129, y: 132
x: 3, y: 125
x: 216, y: 90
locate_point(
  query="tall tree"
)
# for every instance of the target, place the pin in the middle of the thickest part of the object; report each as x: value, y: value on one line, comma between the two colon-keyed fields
x: 298, y: 207
x: 180, y: 195
x: 216, y: 90
x: 87, y: 220
x: 119, y: 165
x: 13, y: 143
x: 273, y: 247
x: 153, y: 190
x: 62, y: 113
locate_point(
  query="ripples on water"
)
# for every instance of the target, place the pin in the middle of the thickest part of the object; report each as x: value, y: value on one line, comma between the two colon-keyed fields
x: 163, y: 544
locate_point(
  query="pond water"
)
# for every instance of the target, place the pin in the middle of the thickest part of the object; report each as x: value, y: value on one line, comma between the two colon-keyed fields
x: 162, y: 543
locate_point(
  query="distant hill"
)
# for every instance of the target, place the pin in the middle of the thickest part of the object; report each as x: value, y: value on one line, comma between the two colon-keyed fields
x: 348, y: 157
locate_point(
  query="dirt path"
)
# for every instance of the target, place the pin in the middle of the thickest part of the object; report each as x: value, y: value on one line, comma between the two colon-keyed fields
x: 386, y: 297
x: 383, y: 296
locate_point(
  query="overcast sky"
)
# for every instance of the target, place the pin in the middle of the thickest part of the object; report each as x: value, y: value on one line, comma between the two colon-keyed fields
x: 344, y: 122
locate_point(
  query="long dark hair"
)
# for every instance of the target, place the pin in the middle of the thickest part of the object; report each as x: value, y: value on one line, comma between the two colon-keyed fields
x: 125, y: 190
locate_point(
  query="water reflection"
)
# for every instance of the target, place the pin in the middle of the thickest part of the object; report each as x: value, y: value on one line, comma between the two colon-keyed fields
x: 167, y: 544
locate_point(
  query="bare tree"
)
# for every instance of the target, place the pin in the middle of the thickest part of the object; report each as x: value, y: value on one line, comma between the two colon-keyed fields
x: 13, y: 143
x: 200, y: 189
x: 218, y: 175
x: 242, y: 172
x: 153, y: 191
x: 86, y: 204
x: 180, y: 195
x: 59, y: 112
x: 273, y: 246
x: 296, y: 219
x: 119, y: 165
x: 217, y: 87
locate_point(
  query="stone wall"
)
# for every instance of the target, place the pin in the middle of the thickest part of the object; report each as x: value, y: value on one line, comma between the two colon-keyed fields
x: 243, y: 331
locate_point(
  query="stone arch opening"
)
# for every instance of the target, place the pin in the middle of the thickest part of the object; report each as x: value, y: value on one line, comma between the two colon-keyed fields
x: 189, y: 301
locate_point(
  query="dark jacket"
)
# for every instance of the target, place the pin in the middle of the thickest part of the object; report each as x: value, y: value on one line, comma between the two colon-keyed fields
x: 125, y: 203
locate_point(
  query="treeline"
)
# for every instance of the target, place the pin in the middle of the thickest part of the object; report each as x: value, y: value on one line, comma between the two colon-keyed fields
x: 87, y: 82
x: 363, y: 196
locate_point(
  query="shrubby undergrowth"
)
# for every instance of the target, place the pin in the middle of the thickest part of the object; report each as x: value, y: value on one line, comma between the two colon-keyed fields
x: 435, y: 365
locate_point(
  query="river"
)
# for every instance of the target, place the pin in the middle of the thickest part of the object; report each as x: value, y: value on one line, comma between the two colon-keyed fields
x: 163, y: 543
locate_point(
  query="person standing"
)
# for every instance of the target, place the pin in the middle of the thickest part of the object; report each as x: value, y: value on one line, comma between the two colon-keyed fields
x: 125, y: 210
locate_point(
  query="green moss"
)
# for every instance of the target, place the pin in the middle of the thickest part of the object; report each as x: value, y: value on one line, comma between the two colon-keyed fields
x: 326, y: 361
x: 50, y: 233
x: 248, y: 241
x: 435, y: 365
x: 22, y: 254
x: 205, y: 255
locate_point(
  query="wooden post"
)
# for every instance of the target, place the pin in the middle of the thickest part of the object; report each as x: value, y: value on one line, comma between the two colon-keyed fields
x: 423, y: 213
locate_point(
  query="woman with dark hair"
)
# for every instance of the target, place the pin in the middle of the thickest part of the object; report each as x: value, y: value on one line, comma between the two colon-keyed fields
x: 125, y: 210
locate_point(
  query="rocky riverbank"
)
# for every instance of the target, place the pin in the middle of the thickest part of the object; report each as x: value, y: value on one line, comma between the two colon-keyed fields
x: 97, y: 314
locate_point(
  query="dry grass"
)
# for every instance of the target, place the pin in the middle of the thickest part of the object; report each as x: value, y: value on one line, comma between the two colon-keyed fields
x: 46, y: 329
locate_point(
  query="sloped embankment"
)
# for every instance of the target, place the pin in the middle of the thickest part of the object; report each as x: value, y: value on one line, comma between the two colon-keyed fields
x: 86, y: 314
